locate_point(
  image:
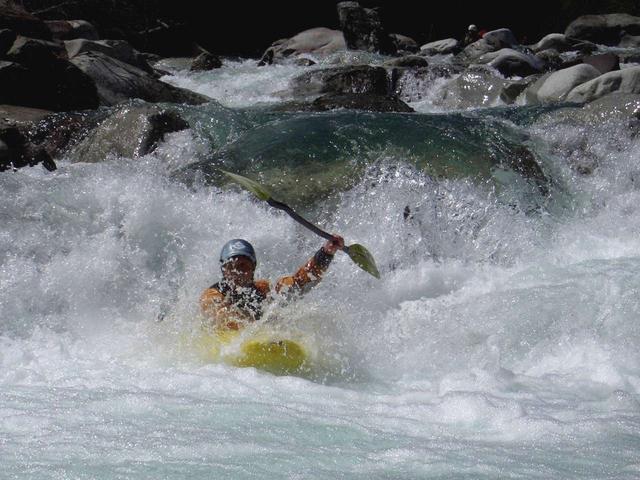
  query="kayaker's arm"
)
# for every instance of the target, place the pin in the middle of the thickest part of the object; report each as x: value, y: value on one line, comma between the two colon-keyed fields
x: 311, y: 272
x: 217, y: 311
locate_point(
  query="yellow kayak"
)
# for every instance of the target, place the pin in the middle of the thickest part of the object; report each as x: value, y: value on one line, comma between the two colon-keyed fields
x: 261, y: 350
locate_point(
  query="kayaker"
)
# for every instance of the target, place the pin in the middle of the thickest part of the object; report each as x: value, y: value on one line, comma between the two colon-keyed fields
x: 238, y: 298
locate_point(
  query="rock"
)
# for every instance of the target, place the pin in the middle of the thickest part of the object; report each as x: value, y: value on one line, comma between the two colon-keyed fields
x: 491, y: 42
x: 604, y: 63
x: 20, y: 21
x: 630, y: 58
x: 118, y: 82
x: 510, y: 62
x: 15, y: 149
x: 476, y: 87
x: 363, y: 29
x: 131, y: 132
x: 72, y: 29
x: 410, y: 61
x: 513, y: 89
x: 315, y: 41
x: 556, y: 41
x: 550, y: 58
x: 441, y: 47
x: 7, y: 37
x: 205, y: 61
x: 620, y: 81
x: 304, y: 62
x: 629, y: 41
x: 603, y: 29
x: 348, y: 79
x: 349, y: 101
x: 556, y: 86
x: 57, y: 86
x: 33, y: 52
x: 118, y: 49
x: 414, y: 84
x: 403, y: 43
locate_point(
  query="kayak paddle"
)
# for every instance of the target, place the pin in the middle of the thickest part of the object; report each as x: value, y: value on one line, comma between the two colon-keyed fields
x: 358, y: 253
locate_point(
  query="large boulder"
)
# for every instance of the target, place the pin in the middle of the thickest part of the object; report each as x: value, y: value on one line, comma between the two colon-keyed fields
x: 403, y: 43
x: 16, y: 148
x: 348, y: 79
x: 556, y: 86
x: 34, y: 52
x: 72, y: 29
x: 441, y: 47
x: 118, y: 49
x: 605, y: 62
x: 476, y: 87
x: 511, y: 62
x: 57, y: 85
x: 131, y: 132
x: 363, y: 29
x: 620, y: 81
x: 604, y: 29
x: 12, y: 17
x: 205, y: 61
x: 491, y: 42
x: 315, y: 41
x: 118, y: 82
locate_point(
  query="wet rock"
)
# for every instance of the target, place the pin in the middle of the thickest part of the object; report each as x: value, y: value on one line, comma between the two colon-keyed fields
x: 349, y: 79
x: 603, y: 29
x: 118, y: 82
x: 551, y: 59
x: 363, y: 29
x: 413, y: 84
x: 131, y: 132
x: 34, y: 52
x: 403, y: 43
x: 441, y: 47
x: 491, y: 42
x: 315, y: 41
x: 410, y: 61
x: 476, y: 87
x: 72, y: 29
x: 16, y: 151
x: 629, y: 41
x: 513, y: 89
x: 304, y: 62
x: 205, y: 61
x: 349, y: 101
x: 621, y: 81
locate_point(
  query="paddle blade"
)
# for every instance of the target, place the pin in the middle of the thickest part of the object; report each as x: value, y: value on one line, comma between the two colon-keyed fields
x: 254, y: 187
x: 363, y: 259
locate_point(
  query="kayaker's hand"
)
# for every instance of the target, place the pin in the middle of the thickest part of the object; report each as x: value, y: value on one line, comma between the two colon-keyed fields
x: 333, y: 245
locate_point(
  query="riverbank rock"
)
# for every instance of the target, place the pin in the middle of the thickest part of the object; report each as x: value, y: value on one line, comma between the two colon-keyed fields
x: 131, y: 132
x: 476, y: 87
x: 511, y: 63
x: 315, y: 41
x: 118, y: 82
x: 363, y: 29
x: 621, y: 81
x: 205, y: 61
x: 604, y: 29
x: 34, y: 52
x: 491, y: 42
x: 403, y: 43
x: 16, y: 148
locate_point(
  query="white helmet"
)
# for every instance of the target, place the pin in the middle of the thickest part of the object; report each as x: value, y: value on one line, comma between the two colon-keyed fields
x: 472, y: 27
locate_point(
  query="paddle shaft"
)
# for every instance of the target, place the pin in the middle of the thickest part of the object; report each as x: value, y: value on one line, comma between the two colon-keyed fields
x: 303, y: 221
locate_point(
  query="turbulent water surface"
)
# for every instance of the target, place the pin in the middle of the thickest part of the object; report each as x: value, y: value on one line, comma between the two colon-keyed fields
x: 501, y: 342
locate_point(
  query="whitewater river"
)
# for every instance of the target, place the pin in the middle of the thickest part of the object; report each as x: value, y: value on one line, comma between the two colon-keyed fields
x: 501, y: 342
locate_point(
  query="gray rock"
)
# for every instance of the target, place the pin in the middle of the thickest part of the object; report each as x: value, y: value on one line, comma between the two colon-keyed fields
x: 476, y: 87
x: 510, y: 62
x: 205, y: 61
x: 556, y: 86
x: 403, y: 43
x: 315, y: 41
x: 16, y: 151
x: 349, y: 79
x: 118, y: 49
x: 550, y: 58
x: 630, y: 41
x: 72, y: 29
x: 605, y: 63
x: 130, y: 132
x: 603, y: 29
x: 118, y: 82
x: 514, y: 88
x: 441, y: 47
x: 413, y: 84
x: 363, y: 29
x: 620, y: 81
x: 556, y: 41
x: 491, y: 42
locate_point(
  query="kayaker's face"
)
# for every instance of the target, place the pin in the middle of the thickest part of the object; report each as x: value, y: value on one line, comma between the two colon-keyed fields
x: 239, y: 271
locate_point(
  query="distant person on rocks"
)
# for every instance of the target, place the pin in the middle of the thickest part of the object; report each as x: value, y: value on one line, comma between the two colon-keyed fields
x: 472, y: 35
